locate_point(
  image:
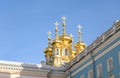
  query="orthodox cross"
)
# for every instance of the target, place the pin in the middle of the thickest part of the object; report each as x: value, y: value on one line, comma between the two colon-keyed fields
x: 64, y: 19
x: 79, y: 28
x: 64, y: 24
x: 71, y: 35
x: 49, y: 38
x: 49, y: 33
x: 56, y: 29
x: 79, y: 33
x: 56, y: 24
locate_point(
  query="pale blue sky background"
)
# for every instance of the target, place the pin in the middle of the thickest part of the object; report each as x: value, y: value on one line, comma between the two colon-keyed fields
x: 24, y: 24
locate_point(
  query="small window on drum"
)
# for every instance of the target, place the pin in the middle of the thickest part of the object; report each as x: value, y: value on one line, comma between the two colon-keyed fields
x: 66, y: 52
x: 57, y: 51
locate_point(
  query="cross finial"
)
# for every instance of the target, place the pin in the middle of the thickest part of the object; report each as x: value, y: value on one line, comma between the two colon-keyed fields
x: 64, y: 25
x: 64, y: 18
x: 56, y: 29
x: 49, y: 33
x: 71, y: 35
x: 56, y: 23
x: 49, y: 38
x: 79, y: 33
x: 79, y: 28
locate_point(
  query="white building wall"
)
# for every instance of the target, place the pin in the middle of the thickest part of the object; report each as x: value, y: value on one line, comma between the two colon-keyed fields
x: 24, y: 76
x: 4, y: 75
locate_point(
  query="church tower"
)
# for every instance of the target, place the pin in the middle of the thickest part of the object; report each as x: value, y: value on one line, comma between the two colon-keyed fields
x: 56, y: 48
x: 60, y: 51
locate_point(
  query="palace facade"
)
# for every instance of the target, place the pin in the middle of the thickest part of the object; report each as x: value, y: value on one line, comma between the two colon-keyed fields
x: 101, y: 59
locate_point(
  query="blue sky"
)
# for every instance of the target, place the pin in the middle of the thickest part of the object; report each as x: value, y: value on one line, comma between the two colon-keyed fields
x: 24, y: 24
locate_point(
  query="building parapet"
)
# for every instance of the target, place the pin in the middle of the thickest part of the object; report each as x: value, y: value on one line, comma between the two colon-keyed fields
x: 7, y: 66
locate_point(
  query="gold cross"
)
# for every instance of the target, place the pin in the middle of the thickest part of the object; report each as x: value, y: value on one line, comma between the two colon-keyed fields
x: 56, y: 24
x: 64, y: 18
x: 64, y: 24
x: 79, y: 33
x: 79, y: 28
x: 49, y: 33
x: 56, y: 29
x: 71, y: 35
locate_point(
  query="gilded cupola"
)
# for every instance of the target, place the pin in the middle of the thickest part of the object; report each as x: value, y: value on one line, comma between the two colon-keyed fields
x: 60, y: 50
x: 48, y: 51
x: 80, y: 45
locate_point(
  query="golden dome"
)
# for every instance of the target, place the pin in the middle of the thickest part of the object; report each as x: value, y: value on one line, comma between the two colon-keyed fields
x: 66, y: 37
x: 48, y: 50
x: 56, y: 41
x: 60, y: 50
x: 79, y: 46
